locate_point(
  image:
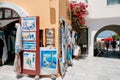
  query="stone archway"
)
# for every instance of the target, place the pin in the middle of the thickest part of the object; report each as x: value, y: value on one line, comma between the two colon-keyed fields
x: 11, y: 22
x: 100, y: 45
x: 14, y: 7
x: 114, y: 28
x: 95, y: 25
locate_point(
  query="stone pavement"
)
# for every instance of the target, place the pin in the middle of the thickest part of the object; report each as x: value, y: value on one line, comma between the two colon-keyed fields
x: 95, y: 68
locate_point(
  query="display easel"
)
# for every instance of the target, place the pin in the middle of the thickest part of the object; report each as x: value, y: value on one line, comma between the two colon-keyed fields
x: 30, y: 54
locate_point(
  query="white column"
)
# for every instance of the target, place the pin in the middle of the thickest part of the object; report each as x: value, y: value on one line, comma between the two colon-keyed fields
x: 91, y: 44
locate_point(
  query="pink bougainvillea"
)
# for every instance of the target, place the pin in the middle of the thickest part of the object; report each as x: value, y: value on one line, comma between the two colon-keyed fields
x: 79, y: 11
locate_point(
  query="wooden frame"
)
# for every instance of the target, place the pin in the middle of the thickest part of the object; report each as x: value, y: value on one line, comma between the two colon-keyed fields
x: 41, y: 38
x: 50, y: 37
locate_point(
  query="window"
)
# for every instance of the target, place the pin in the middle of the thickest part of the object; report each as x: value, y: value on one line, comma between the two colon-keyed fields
x: 113, y: 2
x: 6, y: 13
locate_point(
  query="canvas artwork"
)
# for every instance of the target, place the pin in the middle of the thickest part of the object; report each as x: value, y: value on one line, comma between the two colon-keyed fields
x: 29, y: 45
x: 62, y: 66
x: 29, y: 60
x: 49, y: 32
x: 29, y: 35
x: 48, y: 61
x: 50, y: 41
x: 29, y: 24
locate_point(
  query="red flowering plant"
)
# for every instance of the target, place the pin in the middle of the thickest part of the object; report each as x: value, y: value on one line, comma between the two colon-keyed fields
x: 78, y: 12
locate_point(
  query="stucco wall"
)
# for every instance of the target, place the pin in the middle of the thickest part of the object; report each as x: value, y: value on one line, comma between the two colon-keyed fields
x: 41, y: 8
x: 94, y: 26
x: 35, y: 8
x: 65, y: 10
x: 100, y: 9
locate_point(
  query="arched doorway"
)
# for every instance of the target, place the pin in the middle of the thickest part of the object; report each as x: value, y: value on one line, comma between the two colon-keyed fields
x: 111, y: 32
x: 10, y: 15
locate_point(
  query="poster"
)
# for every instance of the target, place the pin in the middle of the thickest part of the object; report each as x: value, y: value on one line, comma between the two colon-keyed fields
x: 29, y: 35
x: 29, y: 45
x: 48, y: 61
x: 29, y: 24
x: 29, y: 60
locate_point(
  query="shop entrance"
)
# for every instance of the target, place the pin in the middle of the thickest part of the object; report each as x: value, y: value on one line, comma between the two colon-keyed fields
x: 8, y: 19
x: 10, y: 36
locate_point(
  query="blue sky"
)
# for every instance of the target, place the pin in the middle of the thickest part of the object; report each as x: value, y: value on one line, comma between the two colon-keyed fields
x: 106, y: 34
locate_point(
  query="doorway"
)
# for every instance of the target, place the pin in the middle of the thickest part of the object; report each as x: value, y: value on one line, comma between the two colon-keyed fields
x: 107, y: 36
x: 10, y: 36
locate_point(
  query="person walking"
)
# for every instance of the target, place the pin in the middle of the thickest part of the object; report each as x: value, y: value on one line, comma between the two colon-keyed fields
x: 113, y: 43
x: 107, y: 44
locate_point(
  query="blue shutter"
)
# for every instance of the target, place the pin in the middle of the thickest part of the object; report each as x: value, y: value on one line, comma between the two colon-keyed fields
x: 118, y: 1
x: 112, y: 2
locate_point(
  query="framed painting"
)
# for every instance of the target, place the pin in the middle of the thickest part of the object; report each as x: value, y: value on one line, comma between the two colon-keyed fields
x: 48, y: 61
x: 28, y: 24
x: 29, y: 35
x: 29, y: 60
x: 49, y: 32
x: 29, y: 45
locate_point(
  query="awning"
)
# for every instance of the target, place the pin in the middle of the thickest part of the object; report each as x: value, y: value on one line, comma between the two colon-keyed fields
x: 6, y: 22
x: 106, y: 39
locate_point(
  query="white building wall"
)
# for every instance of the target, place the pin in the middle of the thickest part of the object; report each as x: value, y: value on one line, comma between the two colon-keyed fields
x: 100, y: 15
x: 94, y: 26
x: 100, y: 9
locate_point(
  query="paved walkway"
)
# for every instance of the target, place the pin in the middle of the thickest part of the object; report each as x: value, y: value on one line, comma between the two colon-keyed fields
x: 83, y: 69
x: 94, y: 69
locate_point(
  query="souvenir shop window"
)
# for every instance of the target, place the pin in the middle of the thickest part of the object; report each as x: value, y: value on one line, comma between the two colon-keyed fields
x: 1, y: 14
x: 49, y: 36
x: 41, y: 38
x: 14, y: 14
x: 6, y: 13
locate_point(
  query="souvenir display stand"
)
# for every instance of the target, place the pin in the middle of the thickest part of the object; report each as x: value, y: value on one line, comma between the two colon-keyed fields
x: 67, y: 46
x: 48, y: 60
x: 30, y: 42
x: 64, y: 48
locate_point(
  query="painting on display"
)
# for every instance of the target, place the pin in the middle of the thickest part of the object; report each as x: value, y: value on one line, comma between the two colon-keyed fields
x: 48, y: 61
x: 29, y: 45
x: 29, y: 60
x: 62, y: 66
x: 50, y: 41
x: 29, y: 35
x: 29, y: 24
x: 49, y: 32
